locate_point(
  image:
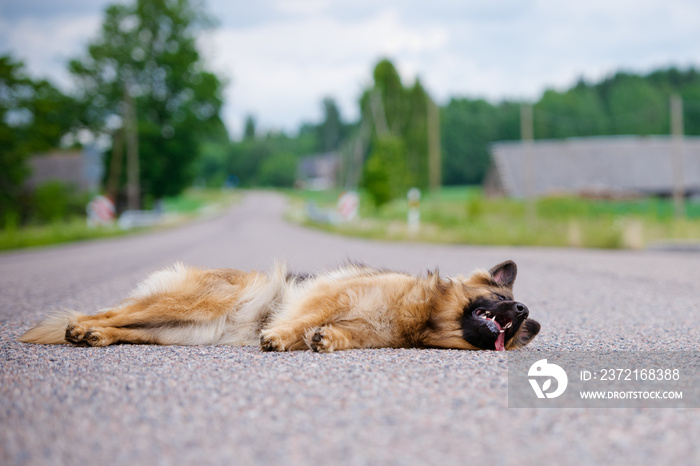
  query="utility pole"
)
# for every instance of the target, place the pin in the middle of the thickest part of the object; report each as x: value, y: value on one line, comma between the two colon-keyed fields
x: 378, y: 114
x: 357, y: 155
x: 677, y: 155
x: 115, y: 165
x: 133, y: 189
x: 527, y: 136
x: 434, y: 156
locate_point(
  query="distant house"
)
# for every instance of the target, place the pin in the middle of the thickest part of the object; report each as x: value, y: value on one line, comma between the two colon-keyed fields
x: 621, y: 166
x: 81, y: 168
x: 319, y: 171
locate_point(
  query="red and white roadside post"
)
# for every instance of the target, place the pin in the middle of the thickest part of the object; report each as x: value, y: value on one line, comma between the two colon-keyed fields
x: 413, y: 210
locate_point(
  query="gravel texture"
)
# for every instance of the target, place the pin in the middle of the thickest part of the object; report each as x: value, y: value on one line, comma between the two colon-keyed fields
x: 229, y: 405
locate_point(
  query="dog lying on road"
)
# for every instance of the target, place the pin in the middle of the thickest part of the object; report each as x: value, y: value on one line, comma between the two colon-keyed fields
x: 354, y: 306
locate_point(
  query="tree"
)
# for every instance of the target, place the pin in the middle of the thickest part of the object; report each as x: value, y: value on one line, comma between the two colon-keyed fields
x: 623, y: 103
x: 249, y: 131
x: 399, y: 145
x: 278, y: 170
x: 330, y: 131
x: 147, y: 50
x: 34, y: 116
x: 637, y: 107
x: 416, y: 136
x: 578, y: 111
x: 384, y: 172
x: 467, y: 128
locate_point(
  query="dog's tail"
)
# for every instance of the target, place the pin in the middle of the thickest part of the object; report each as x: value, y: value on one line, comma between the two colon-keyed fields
x: 51, y: 330
x: 259, y: 303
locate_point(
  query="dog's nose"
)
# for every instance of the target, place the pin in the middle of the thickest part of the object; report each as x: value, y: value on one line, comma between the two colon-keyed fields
x: 521, y: 310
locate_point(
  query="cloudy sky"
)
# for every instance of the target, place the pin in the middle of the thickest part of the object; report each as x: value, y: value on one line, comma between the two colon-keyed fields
x: 281, y: 57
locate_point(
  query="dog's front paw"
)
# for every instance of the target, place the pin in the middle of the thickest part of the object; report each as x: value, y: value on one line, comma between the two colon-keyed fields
x: 75, y: 334
x: 320, y: 340
x: 83, y: 336
x: 270, y: 341
x: 96, y: 338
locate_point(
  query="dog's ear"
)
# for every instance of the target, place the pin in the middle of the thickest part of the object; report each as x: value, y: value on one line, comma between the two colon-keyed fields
x: 504, y: 273
x: 527, y: 332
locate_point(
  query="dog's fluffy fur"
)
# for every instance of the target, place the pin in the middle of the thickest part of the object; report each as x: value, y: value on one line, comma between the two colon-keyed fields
x: 354, y: 306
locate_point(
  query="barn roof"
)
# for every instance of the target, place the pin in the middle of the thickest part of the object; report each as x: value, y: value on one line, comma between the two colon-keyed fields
x: 619, y: 165
x: 81, y: 168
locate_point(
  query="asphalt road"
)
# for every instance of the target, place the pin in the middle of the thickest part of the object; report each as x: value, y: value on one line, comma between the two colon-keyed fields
x: 228, y: 405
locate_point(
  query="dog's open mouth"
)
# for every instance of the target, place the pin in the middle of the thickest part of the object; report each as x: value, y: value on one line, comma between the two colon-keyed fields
x: 497, y: 323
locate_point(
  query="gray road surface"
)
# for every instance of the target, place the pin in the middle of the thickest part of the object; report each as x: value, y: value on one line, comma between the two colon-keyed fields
x: 228, y: 405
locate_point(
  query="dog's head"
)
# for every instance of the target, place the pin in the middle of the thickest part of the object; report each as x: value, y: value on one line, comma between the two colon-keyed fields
x: 492, y: 319
x: 479, y: 313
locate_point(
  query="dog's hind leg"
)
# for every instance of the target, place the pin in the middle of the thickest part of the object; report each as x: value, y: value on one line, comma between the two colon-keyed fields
x: 168, y: 319
x: 96, y: 330
x: 103, y: 336
x: 179, y: 305
x: 194, y: 313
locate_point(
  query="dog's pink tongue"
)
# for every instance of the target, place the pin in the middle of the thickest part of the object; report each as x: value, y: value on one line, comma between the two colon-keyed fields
x: 500, y: 343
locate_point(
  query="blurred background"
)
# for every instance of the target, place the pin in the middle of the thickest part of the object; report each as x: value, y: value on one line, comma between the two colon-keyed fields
x: 554, y: 123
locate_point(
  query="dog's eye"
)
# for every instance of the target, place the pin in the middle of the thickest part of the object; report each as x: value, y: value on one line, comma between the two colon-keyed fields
x: 501, y: 297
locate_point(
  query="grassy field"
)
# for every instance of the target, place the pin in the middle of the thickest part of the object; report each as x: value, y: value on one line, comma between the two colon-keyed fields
x: 454, y: 215
x: 463, y: 215
x: 191, y: 204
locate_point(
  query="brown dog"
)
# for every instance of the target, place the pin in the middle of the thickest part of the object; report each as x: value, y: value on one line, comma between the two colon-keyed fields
x: 354, y: 306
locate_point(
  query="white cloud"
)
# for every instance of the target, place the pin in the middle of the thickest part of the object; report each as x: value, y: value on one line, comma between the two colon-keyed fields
x: 304, y: 7
x: 284, y: 56
x: 281, y: 70
x: 46, y: 44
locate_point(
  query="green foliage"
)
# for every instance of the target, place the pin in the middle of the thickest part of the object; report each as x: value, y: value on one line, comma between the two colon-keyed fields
x: 398, y: 156
x: 51, y: 201
x: 210, y: 167
x: 278, y: 170
x: 577, y: 111
x: 467, y: 129
x: 624, y: 103
x: 249, y: 131
x: 384, y: 174
x: 245, y: 158
x: 376, y: 180
x: 393, y: 96
x: 34, y: 116
x: 149, y: 48
x: 416, y: 138
x: 328, y: 134
x: 55, y: 201
x: 252, y: 160
x: 331, y: 131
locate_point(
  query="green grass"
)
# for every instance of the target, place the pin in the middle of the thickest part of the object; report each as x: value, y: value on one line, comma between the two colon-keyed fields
x: 187, y: 206
x: 463, y: 215
x: 74, y: 229
x: 196, y: 199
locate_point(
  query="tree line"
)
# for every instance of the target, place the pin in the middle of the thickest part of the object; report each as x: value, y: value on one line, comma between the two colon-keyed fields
x: 621, y: 104
x: 142, y: 79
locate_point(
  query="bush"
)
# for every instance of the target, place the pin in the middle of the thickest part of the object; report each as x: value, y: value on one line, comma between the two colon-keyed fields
x: 384, y: 174
x: 54, y: 201
x: 279, y: 170
x: 50, y: 202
